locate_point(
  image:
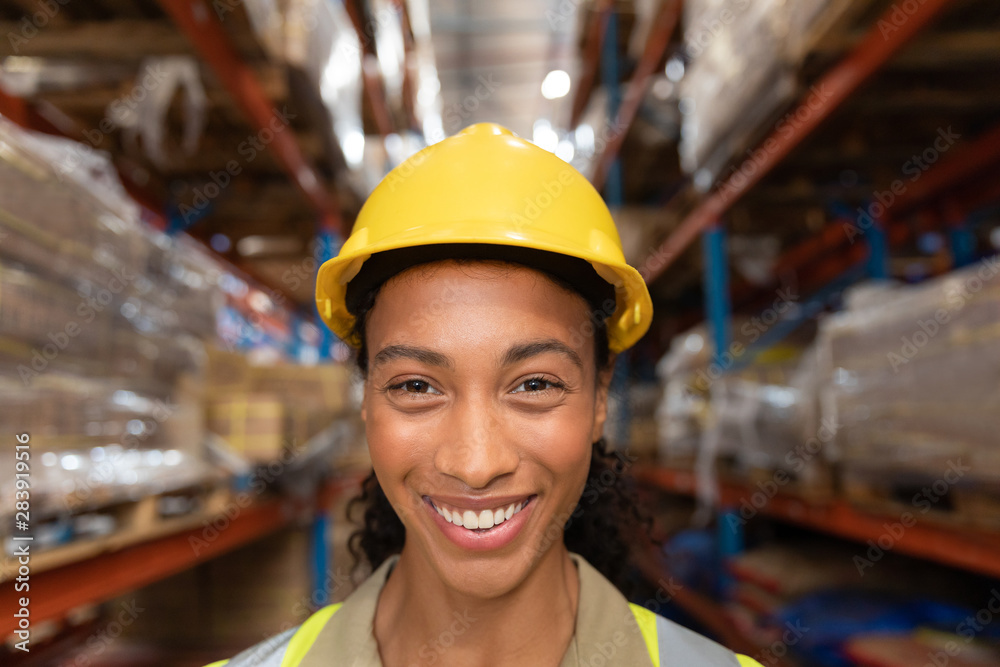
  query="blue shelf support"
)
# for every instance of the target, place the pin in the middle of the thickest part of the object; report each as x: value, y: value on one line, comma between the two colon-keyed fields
x: 327, y: 246
x: 719, y: 309
x: 878, y: 251
x: 717, y: 299
x: 320, y: 559
x: 963, y: 245
x: 613, y: 191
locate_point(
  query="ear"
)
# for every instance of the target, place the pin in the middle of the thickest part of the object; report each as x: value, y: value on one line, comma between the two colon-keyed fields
x: 601, y: 398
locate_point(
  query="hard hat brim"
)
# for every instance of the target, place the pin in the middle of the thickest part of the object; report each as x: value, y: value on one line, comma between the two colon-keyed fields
x: 624, y: 328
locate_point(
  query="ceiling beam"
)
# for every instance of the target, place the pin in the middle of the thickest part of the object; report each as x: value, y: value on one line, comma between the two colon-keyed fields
x: 596, y: 27
x: 823, y: 99
x: 122, y: 39
x: 667, y: 18
x: 198, y: 21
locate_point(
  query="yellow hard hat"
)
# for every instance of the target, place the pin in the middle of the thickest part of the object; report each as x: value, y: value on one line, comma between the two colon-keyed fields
x: 486, y: 187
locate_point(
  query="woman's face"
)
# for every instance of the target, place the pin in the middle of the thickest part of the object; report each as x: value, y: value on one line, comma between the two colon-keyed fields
x: 480, y: 409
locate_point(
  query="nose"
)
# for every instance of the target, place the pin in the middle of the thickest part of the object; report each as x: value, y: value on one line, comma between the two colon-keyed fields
x: 476, y: 448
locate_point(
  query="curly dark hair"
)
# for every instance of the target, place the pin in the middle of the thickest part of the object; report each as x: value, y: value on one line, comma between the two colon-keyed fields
x: 606, y: 520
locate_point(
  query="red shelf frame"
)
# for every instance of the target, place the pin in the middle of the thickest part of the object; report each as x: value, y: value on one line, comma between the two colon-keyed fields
x: 967, y: 548
x: 53, y: 593
x: 836, y: 85
x: 199, y: 22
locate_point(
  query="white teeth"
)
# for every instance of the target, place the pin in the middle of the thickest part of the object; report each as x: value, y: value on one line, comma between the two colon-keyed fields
x: 484, y: 520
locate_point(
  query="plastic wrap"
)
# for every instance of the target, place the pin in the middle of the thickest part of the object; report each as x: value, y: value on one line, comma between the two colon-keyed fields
x: 767, y: 421
x: 101, y: 321
x: 744, y: 58
x: 736, y: 78
x: 682, y: 411
x: 912, y: 374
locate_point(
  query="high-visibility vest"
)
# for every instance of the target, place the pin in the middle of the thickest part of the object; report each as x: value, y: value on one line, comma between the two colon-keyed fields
x: 669, y: 644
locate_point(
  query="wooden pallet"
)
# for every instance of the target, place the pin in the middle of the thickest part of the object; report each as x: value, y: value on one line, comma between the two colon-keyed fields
x: 816, y: 484
x: 968, y: 502
x: 136, y: 521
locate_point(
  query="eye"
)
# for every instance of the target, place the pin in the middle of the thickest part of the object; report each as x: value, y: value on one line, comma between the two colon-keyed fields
x: 538, y: 385
x: 414, y: 387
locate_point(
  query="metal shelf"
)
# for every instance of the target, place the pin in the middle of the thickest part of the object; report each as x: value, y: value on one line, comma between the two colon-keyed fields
x: 967, y: 548
x: 703, y: 609
x: 55, y: 592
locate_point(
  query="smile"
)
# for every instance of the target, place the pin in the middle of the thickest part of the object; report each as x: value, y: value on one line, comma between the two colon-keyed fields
x: 481, y: 524
x: 482, y: 520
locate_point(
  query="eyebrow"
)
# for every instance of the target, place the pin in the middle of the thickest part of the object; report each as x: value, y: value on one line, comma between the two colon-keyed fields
x: 523, y: 351
x: 421, y: 354
x: 513, y: 355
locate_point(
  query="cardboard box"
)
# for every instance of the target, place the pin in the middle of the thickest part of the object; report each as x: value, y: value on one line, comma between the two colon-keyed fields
x: 252, y: 423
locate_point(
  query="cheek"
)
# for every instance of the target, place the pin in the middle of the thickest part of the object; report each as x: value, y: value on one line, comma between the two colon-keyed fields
x: 562, y: 447
x: 394, y: 444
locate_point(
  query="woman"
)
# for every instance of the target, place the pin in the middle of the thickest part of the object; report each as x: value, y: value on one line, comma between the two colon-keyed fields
x: 486, y: 293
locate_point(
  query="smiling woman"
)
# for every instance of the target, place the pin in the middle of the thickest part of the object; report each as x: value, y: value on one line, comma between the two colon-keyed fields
x: 485, y: 291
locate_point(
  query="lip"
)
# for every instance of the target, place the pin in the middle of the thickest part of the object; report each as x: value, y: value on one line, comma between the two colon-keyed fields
x: 493, y: 538
x: 477, y: 504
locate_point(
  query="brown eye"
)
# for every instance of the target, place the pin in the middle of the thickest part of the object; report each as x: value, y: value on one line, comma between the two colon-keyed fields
x: 414, y: 387
x: 538, y: 385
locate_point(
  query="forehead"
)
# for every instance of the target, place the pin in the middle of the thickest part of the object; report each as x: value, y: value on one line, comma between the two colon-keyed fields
x: 451, y: 302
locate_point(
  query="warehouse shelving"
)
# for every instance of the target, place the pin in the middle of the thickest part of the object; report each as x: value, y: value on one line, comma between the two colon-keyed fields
x: 972, y: 549
x: 704, y: 610
x: 874, y: 51
x: 204, y: 29
x: 822, y: 263
x: 101, y: 577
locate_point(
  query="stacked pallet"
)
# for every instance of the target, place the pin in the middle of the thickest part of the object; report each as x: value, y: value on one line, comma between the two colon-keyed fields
x: 266, y: 413
x: 912, y: 381
x: 744, y: 58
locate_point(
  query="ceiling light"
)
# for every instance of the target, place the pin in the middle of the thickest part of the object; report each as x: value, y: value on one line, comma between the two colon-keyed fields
x: 544, y: 136
x: 565, y: 150
x: 675, y: 69
x: 555, y: 85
